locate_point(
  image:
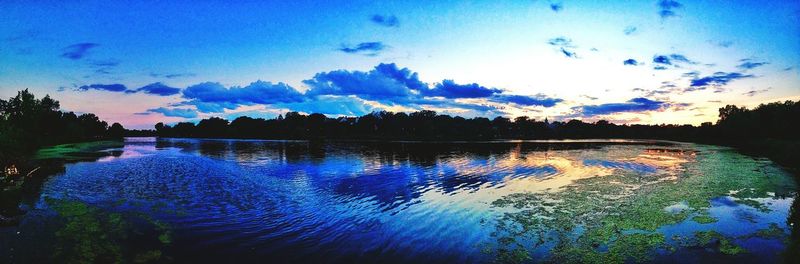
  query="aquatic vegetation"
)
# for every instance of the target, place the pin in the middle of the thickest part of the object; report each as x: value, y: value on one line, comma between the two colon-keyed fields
x: 89, y: 234
x: 616, y: 218
x: 704, y: 219
x: 78, y: 151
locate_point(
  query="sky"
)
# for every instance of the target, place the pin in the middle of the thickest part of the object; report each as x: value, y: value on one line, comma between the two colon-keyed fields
x: 645, y: 62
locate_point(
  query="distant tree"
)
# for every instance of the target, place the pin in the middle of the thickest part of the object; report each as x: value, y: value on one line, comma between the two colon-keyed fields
x: 116, y: 131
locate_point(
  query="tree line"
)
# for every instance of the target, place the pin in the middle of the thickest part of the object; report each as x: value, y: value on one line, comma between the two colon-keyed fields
x: 27, y: 123
x: 775, y: 120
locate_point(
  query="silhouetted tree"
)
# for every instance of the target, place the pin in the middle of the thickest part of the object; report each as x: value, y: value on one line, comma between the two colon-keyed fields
x: 116, y: 131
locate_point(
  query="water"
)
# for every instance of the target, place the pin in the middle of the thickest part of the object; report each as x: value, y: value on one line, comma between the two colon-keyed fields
x: 192, y: 200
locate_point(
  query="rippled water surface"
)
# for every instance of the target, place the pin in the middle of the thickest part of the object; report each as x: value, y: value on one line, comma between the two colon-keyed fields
x: 229, y: 201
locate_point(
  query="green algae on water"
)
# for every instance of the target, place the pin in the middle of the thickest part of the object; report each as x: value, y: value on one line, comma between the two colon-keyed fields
x: 616, y: 218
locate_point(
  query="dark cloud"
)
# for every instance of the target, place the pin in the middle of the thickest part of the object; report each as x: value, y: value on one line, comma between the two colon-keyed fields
x: 681, y: 58
x: 630, y: 30
x: 386, y: 21
x: 390, y: 84
x: 384, y: 83
x: 258, y: 92
x: 634, y: 105
x: 630, y: 62
x: 565, y: 46
x: 662, y: 59
x: 77, y: 51
x: 752, y: 93
x: 561, y: 42
x: 157, y: 89
x: 104, y: 87
x: 175, y: 112
x: 539, y: 100
x: 569, y: 54
x: 449, y: 89
x: 667, y: 7
x: 556, y: 7
x: 365, y: 48
x: 717, y: 79
x: 748, y: 64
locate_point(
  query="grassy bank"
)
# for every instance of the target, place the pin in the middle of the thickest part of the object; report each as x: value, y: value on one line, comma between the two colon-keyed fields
x: 34, y: 170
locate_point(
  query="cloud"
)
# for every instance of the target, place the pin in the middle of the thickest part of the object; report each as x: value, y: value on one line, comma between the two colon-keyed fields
x: 667, y: 7
x: 561, y: 42
x: 77, y: 51
x: 386, y: 21
x: 175, y: 112
x: 569, y: 54
x: 640, y: 104
x: 391, y: 85
x: 383, y: 83
x: 258, y: 92
x: 748, y: 64
x: 724, y: 44
x: 333, y: 105
x: 157, y: 89
x: 661, y: 59
x: 630, y: 30
x: 204, y: 107
x: 717, y: 79
x: 691, y: 74
x: 565, y: 46
x: 681, y: 58
x: 630, y: 62
x: 752, y: 93
x: 365, y: 48
x: 449, y: 89
x: 104, y: 87
x: 538, y: 100
x: 171, y: 75
x: 556, y: 7
x: 341, y: 92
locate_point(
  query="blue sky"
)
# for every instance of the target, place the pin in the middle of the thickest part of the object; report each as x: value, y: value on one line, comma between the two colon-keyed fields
x: 141, y: 62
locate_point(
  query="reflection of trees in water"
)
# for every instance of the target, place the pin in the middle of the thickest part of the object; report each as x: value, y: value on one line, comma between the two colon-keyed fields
x: 394, y: 173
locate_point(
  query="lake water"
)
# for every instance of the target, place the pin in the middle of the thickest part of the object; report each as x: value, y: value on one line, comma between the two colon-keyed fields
x: 243, y: 201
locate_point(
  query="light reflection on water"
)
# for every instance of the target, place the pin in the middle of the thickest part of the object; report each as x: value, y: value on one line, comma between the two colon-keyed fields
x: 251, y: 200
